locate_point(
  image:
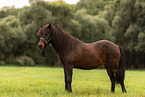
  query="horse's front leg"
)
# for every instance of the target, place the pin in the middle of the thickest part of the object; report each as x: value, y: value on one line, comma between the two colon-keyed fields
x: 65, y: 79
x: 68, y: 76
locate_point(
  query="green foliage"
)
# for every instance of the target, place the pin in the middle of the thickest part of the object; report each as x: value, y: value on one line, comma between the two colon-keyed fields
x: 34, y: 1
x: 121, y: 21
x: 126, y: 19
x: 36, y: 14
x: 131, y: 34
x: 6, y: 11
x: 7, y: 40
x: 11, y: 36
x: 141, y: 42
x: 92, y: 6
x: 2, y: 63
x: 92, y: 27
x: 11, y: 21
x: 63, y: 13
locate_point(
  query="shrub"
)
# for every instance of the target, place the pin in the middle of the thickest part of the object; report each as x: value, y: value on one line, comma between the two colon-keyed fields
x: 25, y: 61
x: 2, y: 62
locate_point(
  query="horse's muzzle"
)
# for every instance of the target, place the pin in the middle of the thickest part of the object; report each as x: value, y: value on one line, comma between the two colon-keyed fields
x: 41, y: 46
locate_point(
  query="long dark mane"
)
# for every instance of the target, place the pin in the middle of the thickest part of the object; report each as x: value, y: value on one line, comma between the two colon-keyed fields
x: 62, y: 40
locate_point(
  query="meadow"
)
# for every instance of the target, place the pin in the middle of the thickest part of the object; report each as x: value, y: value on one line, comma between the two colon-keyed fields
x: 49, y: 82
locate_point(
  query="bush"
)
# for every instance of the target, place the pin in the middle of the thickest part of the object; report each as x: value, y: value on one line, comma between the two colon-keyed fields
x: 25, y: 61
x: 2, y: 62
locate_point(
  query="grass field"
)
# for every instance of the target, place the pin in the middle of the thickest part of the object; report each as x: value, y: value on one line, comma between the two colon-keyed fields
x: 49, y: 82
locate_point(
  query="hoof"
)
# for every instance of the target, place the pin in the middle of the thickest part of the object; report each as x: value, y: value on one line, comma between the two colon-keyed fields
x: 69, y: 91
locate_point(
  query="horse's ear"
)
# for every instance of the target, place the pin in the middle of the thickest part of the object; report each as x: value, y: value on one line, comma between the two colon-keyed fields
x: 49, y: 25
x: 41, y: 25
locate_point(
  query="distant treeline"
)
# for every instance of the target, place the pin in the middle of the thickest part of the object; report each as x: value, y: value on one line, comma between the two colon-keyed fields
x: 121, y: 21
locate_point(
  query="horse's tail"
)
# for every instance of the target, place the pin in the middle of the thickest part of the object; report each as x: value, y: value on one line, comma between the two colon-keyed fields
x: 122, y: 66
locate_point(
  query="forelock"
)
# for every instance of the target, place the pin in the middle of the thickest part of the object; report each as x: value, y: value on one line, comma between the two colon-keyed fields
x: 40, y: 31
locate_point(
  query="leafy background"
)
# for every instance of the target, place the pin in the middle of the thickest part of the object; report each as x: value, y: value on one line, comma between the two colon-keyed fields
x: 121, y: 21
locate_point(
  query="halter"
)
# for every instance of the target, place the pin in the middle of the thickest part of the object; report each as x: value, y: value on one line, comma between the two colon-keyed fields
x: 46, y: 41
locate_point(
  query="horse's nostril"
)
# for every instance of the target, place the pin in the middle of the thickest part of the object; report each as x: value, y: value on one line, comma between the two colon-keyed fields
x: 40, y: 46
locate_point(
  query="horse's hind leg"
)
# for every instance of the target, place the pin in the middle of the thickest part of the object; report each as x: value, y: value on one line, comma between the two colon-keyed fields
x: 123, y: 86
x: 120, y: 80
x: 112, y: 79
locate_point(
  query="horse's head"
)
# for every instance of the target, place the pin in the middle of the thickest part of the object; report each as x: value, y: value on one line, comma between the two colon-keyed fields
x: 45, y: 36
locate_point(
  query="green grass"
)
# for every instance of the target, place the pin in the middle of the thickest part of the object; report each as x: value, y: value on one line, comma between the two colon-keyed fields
x: 49, y: 82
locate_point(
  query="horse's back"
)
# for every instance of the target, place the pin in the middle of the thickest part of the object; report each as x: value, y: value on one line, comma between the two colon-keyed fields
x: 105, y: 45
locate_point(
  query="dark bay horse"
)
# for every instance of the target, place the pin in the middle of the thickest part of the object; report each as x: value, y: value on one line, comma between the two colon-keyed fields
x: 73, y: 53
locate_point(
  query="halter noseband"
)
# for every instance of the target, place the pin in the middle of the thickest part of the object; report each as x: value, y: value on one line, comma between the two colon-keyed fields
x: 46, y: 41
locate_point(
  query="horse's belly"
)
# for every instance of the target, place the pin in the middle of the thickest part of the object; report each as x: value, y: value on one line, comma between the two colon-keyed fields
x: 87, y: 64
x: 86, y: 67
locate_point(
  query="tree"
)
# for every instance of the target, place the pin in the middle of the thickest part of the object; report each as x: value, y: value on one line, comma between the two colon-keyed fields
x: 36, y: 14
x: 34, y: 1
x: 126, y: 18
x: 6, y: 11
x: 92, y: 6
x: 92, y: 27
x: 11, y: 21
x: 63, y: 13
x: 11, y: 36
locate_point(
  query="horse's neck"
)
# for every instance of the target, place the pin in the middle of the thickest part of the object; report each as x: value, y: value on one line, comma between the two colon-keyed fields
x: 64, y: 44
